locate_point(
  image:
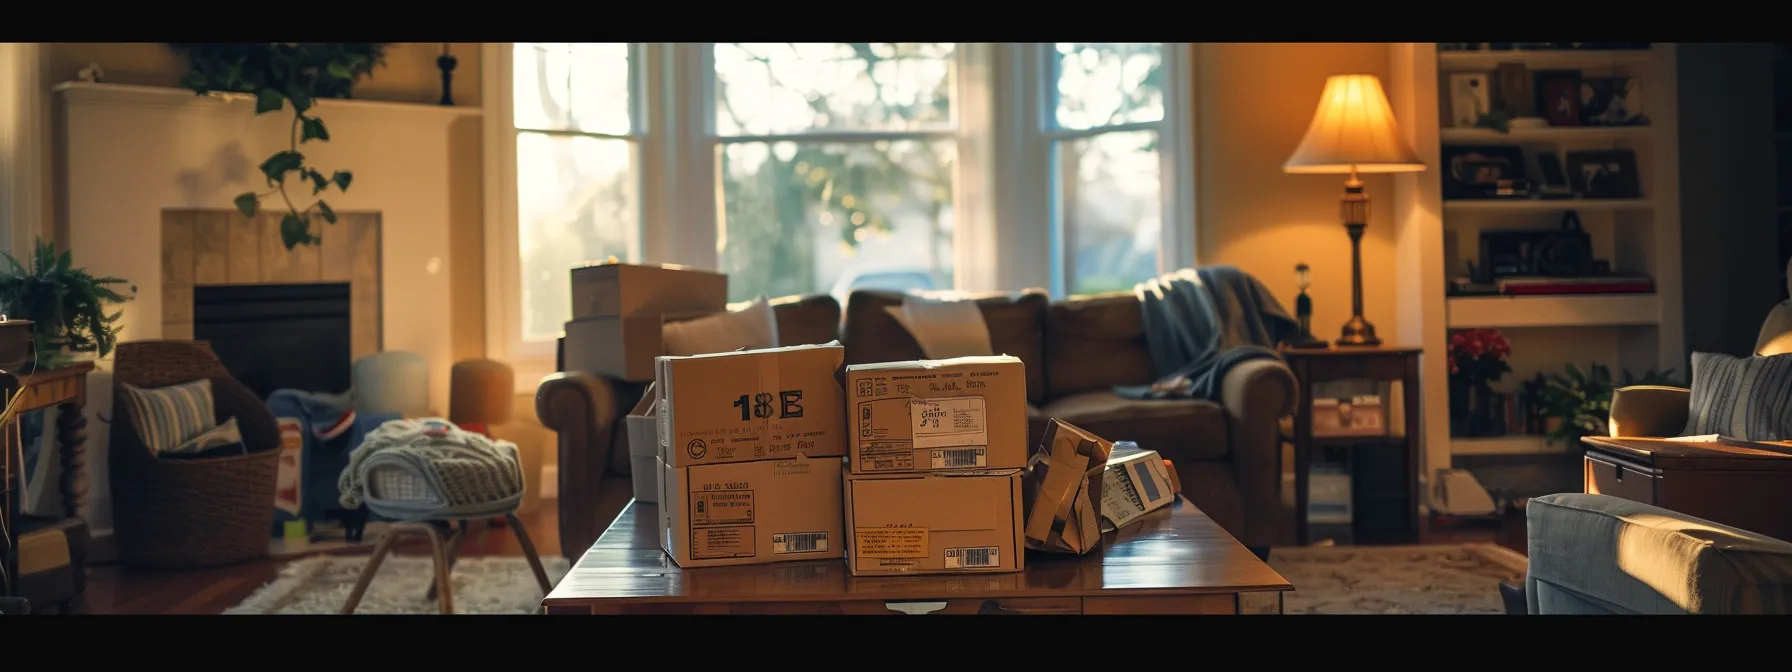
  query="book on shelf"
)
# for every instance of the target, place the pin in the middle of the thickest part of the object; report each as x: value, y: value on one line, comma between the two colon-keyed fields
x: 1784, y: 447
x: 1525, y: 285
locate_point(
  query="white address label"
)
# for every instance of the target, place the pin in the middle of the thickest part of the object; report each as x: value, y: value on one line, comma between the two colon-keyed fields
x: 948, y: 422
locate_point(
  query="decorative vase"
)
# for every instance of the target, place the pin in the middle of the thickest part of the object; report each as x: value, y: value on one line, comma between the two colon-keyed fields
x: 1471, y: 409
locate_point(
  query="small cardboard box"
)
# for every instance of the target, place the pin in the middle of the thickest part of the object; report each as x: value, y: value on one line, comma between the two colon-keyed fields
x: 745, y: 513
x: 643, y: 429
x: 934, y: 523
x: 1133, y: 485
x: 1359, y: 415
x: 751, y: 405
x: 1063, y: 489
x: 626, y: 290
x: 963, y: 413
x: 619, y: 347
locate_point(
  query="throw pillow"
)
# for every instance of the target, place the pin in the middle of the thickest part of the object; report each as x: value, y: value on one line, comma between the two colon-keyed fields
x: 752, y: 326
x: 225, y: 434
x: 166, y: 417
x: 945, y: 325
x: 1746, y: 398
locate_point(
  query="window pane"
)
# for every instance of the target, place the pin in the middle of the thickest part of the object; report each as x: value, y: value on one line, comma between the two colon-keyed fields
x: 575, y: 203
x: 809, y: 217
x: 572, y: 87
x: 772, y: 88
x: 1112, y: 214
x: 1102, y: 84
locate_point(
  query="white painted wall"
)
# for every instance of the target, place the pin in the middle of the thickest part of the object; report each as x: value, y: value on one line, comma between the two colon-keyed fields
x: 132, y: 151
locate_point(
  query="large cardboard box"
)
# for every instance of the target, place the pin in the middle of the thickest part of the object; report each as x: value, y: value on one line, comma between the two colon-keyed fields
x: 934, y: 523
x: 624, y: 290
x: 745, y: 513
x: 619, y: 347
x: 751, y: 405
x: 964, y: 413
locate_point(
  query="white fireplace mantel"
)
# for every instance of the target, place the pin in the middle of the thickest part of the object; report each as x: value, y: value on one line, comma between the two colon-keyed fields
x: 127, y: 152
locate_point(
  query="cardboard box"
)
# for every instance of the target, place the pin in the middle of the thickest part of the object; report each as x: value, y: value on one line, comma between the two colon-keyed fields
x: 626, y: 290
x: 751, y: 405
x: 745, y: 513
x: 1133, y: 485
x: 963, y: 413
x: 1360, y: 415
x: 937, y: 523
x: 642, y: 428
x: 1063, y: 489
x: 619, y: 347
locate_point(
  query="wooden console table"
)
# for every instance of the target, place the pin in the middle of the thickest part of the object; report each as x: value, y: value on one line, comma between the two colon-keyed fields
x: 1174, y: 561
x: 1740, y: 487
x: 66, y: 389
x: 1313, y: 367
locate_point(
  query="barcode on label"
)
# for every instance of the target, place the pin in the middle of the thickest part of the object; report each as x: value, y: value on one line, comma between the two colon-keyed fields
x: 966, y: 558
x: 959, y: 458
x: 800, y: 542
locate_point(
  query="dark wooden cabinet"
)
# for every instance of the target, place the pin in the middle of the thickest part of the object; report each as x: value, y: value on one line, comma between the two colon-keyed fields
x: 1740, y: 487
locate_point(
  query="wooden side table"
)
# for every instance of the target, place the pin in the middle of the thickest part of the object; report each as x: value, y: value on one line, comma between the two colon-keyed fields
x: 1314, y: 367
x: 1729, y: 485
x: 66, y: 389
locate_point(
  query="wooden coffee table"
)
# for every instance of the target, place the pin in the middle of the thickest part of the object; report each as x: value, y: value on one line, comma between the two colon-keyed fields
x: 1175, y: 561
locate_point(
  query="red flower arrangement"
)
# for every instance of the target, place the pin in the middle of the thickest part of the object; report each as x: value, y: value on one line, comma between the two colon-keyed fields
x: 1478, y: 356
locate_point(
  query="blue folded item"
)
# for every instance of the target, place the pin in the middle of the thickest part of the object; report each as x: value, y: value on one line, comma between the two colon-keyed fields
x: 332, y: 429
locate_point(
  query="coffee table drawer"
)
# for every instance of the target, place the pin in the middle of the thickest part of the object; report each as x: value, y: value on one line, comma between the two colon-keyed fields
x: 1010, y: 605
x: 1617, y: 480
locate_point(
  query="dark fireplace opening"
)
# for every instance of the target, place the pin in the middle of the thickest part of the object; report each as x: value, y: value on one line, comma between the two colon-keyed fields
x: 272, y: 337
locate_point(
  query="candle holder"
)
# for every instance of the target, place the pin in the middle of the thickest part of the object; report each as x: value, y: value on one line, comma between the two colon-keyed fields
x: 447, y: 62
x: 1303, y: 311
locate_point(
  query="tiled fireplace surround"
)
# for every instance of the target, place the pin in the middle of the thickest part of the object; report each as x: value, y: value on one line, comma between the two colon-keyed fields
x: 221, y: 247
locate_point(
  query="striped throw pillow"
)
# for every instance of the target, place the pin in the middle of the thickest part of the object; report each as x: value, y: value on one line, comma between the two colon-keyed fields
x: 1745, y: 398
x: 166, y: 417
x: 225, y: 434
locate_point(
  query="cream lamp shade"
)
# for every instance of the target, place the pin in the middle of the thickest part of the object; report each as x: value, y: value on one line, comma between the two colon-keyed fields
x: 1353, y: 131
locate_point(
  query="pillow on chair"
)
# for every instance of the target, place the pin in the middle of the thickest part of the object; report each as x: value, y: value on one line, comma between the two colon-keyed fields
x: 1744, y: 398
x: 753, y: 326
x: 945, y: 325
x: 166, y: 417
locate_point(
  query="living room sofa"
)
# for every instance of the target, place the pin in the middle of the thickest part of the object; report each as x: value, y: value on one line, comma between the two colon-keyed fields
x: 1226, y: 453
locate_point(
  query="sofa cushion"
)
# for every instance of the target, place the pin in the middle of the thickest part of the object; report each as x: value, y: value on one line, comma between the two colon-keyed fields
x: 1185, y: 429
x: 809, y: 319
x: 1016, y: 324
x: 1094, y: 343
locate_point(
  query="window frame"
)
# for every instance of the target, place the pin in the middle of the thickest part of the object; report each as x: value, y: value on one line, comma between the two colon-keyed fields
x: 1005, y: 129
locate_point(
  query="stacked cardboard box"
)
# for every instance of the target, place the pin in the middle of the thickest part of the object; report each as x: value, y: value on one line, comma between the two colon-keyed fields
x: 750, y: 449
x: 937, y: 454
x: 618, y: 311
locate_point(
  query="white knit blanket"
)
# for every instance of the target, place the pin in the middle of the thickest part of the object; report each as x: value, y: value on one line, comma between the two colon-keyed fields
x: 460, y: 473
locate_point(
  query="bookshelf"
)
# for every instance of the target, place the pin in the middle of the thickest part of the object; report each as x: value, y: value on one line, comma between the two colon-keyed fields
x: 1435, y: 238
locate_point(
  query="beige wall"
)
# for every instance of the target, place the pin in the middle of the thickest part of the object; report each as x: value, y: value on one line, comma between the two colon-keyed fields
x: 1253, y: 103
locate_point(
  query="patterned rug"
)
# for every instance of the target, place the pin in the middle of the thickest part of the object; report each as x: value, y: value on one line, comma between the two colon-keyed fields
x: 483, y: 585
x: 1462, y: 579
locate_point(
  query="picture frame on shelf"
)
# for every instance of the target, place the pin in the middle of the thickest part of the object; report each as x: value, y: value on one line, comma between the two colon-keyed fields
x: 1552, y: 178
x: 1483, y: 172
x: 1604, y: 173
x: 1612, y: 101
x: 1558, y: 96
x: 1469, y: 98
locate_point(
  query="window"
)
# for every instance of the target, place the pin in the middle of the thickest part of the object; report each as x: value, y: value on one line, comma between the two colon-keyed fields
x: 801, y: 168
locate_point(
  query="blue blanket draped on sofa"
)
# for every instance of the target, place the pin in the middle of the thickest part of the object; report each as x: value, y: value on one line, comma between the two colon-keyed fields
x: 1199, y: 324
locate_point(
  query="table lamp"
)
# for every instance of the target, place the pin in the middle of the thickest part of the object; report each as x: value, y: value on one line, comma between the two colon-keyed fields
x: 1353, y: 131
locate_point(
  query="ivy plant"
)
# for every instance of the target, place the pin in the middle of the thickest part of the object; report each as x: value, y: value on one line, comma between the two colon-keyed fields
x: 278, y: 74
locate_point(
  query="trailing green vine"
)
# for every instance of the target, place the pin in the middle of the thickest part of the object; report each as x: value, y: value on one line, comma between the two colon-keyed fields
x: 278, y: 73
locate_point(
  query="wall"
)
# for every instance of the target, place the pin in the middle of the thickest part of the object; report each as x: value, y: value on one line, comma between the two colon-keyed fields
x: 1728, y: 200
x: 1253, y: 103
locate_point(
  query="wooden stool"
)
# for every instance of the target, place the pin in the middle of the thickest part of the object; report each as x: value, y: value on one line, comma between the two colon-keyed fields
x: 446, y: 552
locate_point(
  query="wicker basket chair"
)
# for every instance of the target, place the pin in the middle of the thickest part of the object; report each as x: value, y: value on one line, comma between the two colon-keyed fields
x: 191, y: 513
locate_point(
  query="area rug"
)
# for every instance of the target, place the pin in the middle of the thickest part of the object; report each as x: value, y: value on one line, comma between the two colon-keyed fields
x: 1459, y: 579
x: 482, y: 585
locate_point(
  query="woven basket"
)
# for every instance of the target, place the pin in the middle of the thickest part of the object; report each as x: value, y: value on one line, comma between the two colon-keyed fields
x: 191, y: 513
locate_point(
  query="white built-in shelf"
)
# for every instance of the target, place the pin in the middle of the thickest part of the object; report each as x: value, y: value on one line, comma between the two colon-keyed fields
x: 1503, y: 445
x: 1547, y: 59
x: 1576, y: 310
x: 1549, y: 204
x: 1569, y: 134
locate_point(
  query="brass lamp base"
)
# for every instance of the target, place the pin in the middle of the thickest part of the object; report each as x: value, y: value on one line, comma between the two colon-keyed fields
x: 1358, y: 331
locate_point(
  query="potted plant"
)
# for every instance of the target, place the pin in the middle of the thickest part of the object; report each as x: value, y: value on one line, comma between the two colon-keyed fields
x: 66, y: 305
x: 1477, y: 360
x: 1581, y: 401
x: 275, y: 74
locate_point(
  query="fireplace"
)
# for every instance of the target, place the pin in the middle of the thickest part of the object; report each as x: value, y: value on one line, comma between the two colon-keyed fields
x: 278, y: 335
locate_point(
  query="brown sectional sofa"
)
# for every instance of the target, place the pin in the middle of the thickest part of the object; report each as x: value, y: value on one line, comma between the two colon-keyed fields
x: 1226, y: 454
